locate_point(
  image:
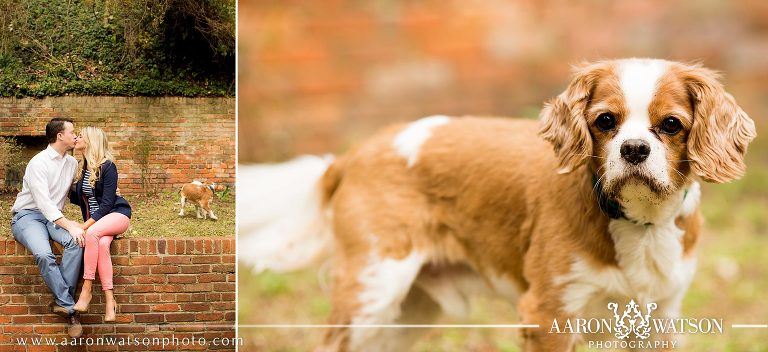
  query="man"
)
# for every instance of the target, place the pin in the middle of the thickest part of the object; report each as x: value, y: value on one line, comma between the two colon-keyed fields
x: 37, y: 218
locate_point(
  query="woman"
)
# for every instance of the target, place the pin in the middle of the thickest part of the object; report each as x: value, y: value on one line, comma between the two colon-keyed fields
x: 105, y: 214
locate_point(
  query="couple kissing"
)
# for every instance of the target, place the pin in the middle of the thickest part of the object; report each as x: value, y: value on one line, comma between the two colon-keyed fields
x: 50, y: 178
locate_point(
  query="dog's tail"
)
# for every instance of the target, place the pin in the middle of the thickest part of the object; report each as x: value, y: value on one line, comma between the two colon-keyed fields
x: 282, y: 218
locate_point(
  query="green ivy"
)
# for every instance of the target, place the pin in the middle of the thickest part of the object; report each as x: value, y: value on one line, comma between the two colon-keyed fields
x: 117, y: 47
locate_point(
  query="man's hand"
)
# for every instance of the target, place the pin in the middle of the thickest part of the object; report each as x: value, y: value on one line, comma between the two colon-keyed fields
x: 77, y: 233
x: 73, y: 228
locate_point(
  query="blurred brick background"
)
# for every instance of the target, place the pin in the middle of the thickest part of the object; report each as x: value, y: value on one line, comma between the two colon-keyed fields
x: 159, y: 143
x: 317, y: 76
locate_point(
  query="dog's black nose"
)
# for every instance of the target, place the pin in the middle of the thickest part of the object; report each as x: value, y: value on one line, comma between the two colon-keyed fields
x: 635, y: 151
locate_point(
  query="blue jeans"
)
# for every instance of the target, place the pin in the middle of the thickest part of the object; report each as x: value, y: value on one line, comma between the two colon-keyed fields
x: 34, y: 231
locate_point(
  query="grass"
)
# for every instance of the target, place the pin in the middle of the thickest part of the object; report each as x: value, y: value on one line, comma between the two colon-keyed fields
x: 152, y: 216
x: 730, y: 283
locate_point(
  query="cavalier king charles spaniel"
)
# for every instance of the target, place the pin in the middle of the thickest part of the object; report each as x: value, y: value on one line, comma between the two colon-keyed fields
x: 595, y: 203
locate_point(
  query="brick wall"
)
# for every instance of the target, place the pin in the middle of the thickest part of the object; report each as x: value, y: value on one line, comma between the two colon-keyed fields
x: 159, y: 143
x: 322, y: 76
x: 181, y: 288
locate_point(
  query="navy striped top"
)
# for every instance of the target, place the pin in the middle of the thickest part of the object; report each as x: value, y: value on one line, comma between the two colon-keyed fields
x: 93, y: 205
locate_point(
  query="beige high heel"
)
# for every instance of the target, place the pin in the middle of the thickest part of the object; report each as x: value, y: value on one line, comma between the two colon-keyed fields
x: 111, y: 317
x: 82, y: 308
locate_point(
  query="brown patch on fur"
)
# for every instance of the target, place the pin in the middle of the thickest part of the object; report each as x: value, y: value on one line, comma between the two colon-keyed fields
x: 606, y: 97
x: 672, y: 99
x: 691, y: 224
x: 331, y: 179
x: 720, y: 130
x: 564, y: 121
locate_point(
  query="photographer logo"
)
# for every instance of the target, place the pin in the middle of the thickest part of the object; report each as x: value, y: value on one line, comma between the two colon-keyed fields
x: 634, y: 327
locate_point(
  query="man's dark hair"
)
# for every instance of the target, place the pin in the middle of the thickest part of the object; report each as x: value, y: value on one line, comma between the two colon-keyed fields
x: 54, y: 127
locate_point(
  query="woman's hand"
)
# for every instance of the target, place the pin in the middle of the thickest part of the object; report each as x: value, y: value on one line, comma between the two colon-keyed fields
x: 88, y: 224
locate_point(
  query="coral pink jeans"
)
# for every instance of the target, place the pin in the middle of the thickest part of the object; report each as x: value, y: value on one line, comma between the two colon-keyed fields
x: 98, y: 237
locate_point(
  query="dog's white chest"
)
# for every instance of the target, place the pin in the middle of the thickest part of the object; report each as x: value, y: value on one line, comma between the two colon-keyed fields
x: 651, y: 268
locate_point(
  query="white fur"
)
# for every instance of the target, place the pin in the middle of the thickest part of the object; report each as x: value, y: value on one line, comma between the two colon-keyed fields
x: 638, y: 79
x: 183, y: 202
x: 640, y: 205
x: 643, y: 206
x: 281, y: 223
x: 651, y: 258
x: 408, y: 142
x: 385, y: 282
x: 691, y: 201
x: 589, y: 289
x: 651, y: 266
x: 638, y: 82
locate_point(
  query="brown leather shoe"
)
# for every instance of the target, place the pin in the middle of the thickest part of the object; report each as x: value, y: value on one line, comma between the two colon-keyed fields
x: 59, y: 310
x: 74, y: 329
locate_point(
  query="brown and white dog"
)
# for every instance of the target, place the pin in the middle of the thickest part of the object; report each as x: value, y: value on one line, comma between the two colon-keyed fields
x: 200, y: 195
x: 423, y: 215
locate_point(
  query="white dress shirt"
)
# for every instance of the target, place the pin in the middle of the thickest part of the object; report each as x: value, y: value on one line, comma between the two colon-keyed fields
x: 47, y: 181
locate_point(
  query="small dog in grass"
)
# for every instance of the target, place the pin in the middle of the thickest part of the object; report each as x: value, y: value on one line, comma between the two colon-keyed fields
x: 200, y: 194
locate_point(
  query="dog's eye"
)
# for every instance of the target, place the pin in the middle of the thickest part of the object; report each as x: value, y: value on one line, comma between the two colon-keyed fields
x: 605, y: 121
x: 671, y: 126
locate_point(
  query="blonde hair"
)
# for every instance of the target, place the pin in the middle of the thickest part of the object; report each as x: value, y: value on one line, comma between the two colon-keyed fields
x: 96, y: 153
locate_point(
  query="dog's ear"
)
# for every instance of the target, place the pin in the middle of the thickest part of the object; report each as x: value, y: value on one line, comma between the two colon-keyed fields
x: 563, y: 122
x: 721, y: 130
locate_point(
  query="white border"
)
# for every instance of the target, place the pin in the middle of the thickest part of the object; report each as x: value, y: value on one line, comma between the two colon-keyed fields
x: 237, y: 163
x: 392, y: 326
